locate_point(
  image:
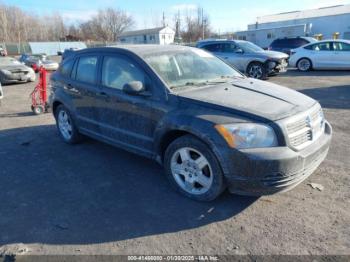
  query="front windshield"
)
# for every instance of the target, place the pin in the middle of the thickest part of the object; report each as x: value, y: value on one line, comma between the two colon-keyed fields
x: 191, y: 67
x: 249, y: 47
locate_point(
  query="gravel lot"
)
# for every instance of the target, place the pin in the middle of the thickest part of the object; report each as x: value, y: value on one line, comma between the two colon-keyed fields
x: 95, y: 199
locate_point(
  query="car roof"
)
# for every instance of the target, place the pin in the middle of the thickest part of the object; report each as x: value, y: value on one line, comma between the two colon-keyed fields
x: 140, y: 50
x: 335, y: 40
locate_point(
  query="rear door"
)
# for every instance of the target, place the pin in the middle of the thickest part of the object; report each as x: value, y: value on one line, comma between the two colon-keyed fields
x: 83, y: 90
x: 341, y: 55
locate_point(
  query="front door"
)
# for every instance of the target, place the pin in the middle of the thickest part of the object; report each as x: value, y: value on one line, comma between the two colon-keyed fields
x: 125, y: 119
x: 323, y: 55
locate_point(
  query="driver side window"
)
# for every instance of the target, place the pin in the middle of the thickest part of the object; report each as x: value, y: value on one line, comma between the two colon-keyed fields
x: 118, y: 71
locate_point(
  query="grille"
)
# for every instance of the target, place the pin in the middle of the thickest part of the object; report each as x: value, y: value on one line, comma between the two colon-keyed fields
x: 305, y: 128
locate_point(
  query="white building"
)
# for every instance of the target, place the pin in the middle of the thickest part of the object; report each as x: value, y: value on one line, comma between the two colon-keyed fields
x: 323, y: 23
x: 160, y: 35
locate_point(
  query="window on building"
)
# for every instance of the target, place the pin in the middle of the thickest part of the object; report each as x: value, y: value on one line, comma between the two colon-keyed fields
x: 270, y: 35
x: 163, y: 36
x: 86, y: 70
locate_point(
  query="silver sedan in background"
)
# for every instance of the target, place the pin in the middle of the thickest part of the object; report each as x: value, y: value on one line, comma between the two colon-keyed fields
x: 247, y: 57
x: 326, y: 54
x: 37, y: 60
x: 11, y: 71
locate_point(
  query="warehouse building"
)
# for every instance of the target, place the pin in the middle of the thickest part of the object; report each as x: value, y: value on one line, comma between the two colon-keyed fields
x: 159, y: 35
x: 322, y: 23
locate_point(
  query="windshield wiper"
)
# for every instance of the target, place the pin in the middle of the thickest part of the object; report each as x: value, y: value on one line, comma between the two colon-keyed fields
x: 189, y: 84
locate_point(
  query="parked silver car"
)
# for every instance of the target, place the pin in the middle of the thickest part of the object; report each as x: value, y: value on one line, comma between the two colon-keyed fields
x: 247, y: 57
x: 38, y: 60
x: 11, y: 70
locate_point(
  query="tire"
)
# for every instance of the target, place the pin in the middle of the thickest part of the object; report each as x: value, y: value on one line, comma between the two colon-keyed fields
x: 202, y: 180
x: 304, y: 64
x: 66, y: 126
x: 257, y: 70
x: 38, y: 110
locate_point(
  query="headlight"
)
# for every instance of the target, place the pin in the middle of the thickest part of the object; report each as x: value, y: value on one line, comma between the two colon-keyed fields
x: 6, y: 72
x: 272, y: 64
x: 248, y: 135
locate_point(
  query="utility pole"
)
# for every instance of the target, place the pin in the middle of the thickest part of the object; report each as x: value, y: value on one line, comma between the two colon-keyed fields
x: 202, y: 23
x: 163, y: 19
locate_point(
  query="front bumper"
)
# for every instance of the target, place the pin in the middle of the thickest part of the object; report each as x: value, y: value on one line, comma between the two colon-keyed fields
x: 271, y: 170
x: 18, y: 77
x: 51, y: 67
x: 279, y: 66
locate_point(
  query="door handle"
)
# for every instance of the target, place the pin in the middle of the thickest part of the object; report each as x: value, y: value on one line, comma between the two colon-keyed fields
x: 103, y: 95
x: 69, y: 86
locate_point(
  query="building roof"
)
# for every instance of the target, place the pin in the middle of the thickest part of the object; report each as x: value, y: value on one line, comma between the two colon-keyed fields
x: 144, y: 31
x: 324, y: 11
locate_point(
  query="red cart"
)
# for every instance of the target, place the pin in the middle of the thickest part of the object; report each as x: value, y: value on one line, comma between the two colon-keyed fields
x: 39, y: 94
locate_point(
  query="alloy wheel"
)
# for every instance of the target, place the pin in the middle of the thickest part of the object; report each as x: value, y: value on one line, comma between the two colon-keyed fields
x: 191, y: 170
x: 255, y: 71
x: 65, y: 125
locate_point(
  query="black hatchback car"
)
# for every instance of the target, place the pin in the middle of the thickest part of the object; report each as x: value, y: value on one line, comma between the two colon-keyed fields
x: 285, y: 45
x: 210, y: 126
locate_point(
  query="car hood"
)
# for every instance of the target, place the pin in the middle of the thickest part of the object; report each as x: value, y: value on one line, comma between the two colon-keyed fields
x: 255, y: 97
x: 14, y: 67
x: 273, y: 54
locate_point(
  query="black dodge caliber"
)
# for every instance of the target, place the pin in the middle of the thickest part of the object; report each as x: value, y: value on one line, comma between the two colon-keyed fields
x: 207, y: 124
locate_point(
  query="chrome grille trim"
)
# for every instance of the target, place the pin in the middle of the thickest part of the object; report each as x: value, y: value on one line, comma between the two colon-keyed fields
x: 303, y: 129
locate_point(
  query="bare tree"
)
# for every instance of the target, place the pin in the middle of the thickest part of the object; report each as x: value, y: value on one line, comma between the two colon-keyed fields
x: 19, y: 26
x: 109, y: 23
x: 196, y: 25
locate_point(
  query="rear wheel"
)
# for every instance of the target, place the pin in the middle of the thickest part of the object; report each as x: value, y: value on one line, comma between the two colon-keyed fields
x: 66, y: 126
x: 304, y: 64
x: 256, y: 70
x: 193, y: 169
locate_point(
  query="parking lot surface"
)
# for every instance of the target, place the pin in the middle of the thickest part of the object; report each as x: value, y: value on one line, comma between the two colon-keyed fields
x: 92, y: 198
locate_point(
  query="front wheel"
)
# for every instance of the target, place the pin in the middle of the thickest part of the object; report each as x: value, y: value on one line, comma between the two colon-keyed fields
x: 193, y: 169
x: 66, y: 126
x: 256, y: 70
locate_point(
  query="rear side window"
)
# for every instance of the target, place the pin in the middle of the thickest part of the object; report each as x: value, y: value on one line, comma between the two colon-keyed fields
x: 289, y: 43
x: 118, y: 71
x: 86, y: 69
x: 340, y: 46
x: 279, y: 43
x: 213, y: 48
x: 66, y: 67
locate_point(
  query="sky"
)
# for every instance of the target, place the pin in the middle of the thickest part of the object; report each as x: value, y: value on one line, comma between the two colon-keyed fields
x: 225, y: 15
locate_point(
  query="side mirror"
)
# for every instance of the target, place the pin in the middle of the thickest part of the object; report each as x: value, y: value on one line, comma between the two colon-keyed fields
x: 239, y: 51
x: 134, y: 88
